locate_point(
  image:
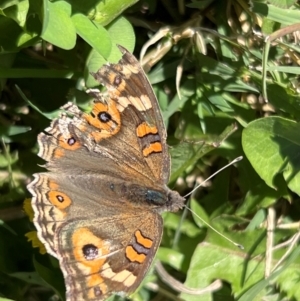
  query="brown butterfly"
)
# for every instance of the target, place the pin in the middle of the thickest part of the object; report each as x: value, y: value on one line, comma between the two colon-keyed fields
x: 97, y: 208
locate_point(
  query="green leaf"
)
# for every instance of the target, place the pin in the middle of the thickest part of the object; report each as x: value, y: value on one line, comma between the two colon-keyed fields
x: 282, y: 99
x: 280, y: 15
x: 217, y: 100
x: 217, y: 259
x: 285, y: 277
x: 58, y: 28
x: 187, y: 89
x: 186, y: 154
x: 187, y: 227
x: 12, y: 36
x: 50, y: 116
x: 258, y: 196
x: 29, y: 277
x: 13, y: 130
x: 18, y: 12
x: 199, y: 213
x: 283, y: 3
x: 272, y: 146
x: 121, y: 33
x: 161, y: 72
x: 171, y: 257
x: 101, y: 12
x: 95, y: 35
x: 52, y: 278
x: 257, y: 220
x: 285, y: 69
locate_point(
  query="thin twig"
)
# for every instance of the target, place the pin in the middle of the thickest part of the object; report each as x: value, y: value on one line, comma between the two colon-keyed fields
x: 181, y: 288
x: 289, y: 250
x: 270, y: 241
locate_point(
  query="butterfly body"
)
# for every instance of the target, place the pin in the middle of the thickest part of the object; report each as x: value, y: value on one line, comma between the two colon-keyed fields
x: 97, y: 208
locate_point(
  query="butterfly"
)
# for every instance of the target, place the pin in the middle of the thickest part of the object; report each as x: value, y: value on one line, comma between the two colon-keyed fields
x: 98, y: 206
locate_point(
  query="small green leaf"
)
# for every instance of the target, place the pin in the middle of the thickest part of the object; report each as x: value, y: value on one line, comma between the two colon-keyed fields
x: 171, y: 257
x: 217, y: 100
x: 18, y: 12
x: 199, y: 213
x: 187, y: 89
x: 187, y: 227
x: 186, y: 154
x: 121, y: 33
x: 257, y: 220
x: 106, y: 11
x: 13, y: 130
x: 12, y: 36
x: 58, y: 28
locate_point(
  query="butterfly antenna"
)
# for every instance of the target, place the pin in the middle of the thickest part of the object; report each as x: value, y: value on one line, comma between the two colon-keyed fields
x: 214, y: 229
x: 232, y: 162
x: 203, y: 221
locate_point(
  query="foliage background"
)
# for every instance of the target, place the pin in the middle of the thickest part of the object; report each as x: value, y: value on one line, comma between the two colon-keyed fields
x: 215, y: 78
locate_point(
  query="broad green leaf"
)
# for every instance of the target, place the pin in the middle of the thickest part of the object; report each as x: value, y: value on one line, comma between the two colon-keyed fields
x: 106, y: 11
x: 217, y: 259
x: 58, y: 28
x: 95, y: 35
x: 272, y: 145
x: 121, y: 33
